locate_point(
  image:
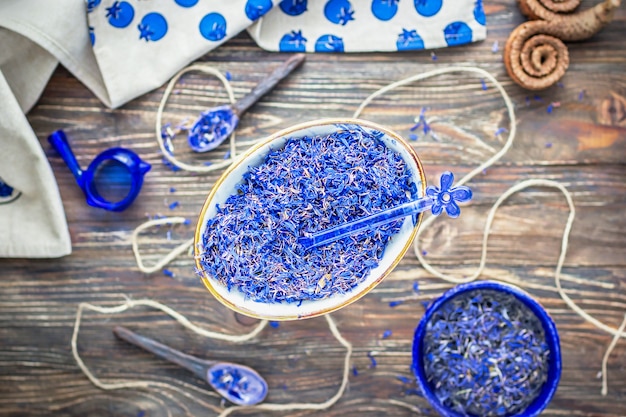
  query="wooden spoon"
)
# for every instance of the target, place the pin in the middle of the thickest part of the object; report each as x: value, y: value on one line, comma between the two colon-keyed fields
x: 239, y: 384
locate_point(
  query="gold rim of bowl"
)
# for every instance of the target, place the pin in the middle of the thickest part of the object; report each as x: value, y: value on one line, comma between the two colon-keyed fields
x: 358, y: 291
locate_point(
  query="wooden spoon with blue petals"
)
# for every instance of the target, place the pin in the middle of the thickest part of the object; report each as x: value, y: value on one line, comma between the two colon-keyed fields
x: 216, y: 124
x: 437, y: 199
x: 237, y: 383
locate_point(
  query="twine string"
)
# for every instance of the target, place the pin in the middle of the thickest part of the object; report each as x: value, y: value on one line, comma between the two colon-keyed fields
x: 159, y: 116
x: 181, y: 319
x: 174, y: 253
x: 605, y: 359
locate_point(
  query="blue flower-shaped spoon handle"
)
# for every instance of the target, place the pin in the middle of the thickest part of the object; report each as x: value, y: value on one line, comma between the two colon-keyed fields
x: 437, y: 199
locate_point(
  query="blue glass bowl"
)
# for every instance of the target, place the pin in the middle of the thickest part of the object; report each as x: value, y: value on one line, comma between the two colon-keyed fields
x: 551, y: 335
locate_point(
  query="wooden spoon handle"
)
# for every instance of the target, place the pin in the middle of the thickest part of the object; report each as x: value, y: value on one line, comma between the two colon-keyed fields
x: 268, y: 83
x: 198, y: 366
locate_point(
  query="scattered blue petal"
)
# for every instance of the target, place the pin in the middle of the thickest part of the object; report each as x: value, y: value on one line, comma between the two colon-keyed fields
x: 373, y: 362
x: 403, y: 379
x: 500, y: 131
x: 495, y: 47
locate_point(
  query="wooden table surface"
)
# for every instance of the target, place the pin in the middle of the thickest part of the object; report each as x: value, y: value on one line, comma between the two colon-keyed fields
x: 581, y: 144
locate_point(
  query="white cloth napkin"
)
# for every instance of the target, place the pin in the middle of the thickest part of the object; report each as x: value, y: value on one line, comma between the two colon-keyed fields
x: 32, y: 222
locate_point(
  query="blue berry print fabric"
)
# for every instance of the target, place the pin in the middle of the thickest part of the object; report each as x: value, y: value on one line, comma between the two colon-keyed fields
x: 140, y: 44
x: 369, y: 25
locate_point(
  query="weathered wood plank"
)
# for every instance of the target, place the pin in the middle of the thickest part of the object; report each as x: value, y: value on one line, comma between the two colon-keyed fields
x: 581, y: 144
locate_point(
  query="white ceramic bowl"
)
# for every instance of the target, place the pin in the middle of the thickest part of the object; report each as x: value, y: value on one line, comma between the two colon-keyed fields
x: 226, y: 186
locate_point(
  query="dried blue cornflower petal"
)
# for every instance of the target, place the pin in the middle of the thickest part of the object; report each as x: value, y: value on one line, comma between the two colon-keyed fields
x: 173, y: 205
x: 308, y: 185
x: 355, y: 371
x: 395, y: 303
x: 275, y: 324
x: 500, y: 131
x: 485, y: 354
x: 387, y: 334
x: 413, y: 391
x: 416, y: 287
x: 169, y: 273
x: 373, y: 362
x: 403, y: 379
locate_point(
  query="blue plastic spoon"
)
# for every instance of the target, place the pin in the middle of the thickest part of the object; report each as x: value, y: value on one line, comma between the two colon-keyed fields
x: 216, y: 124
x: 239, y: 384
x: 437, y: 199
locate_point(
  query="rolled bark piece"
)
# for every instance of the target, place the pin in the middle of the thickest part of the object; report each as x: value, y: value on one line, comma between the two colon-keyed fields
x: 535, y: 55
x: 540, y: 9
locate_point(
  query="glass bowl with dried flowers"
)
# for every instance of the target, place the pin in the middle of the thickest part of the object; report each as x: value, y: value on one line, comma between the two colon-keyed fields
x: 487, y: 349
x: 301, y: 180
